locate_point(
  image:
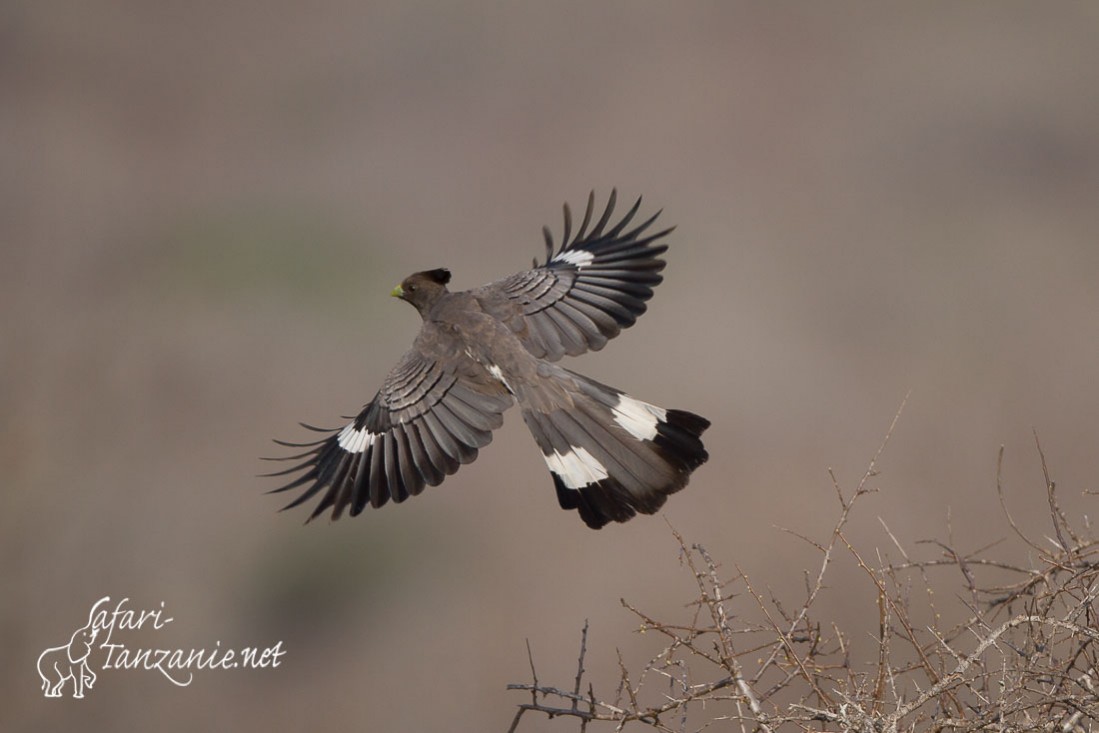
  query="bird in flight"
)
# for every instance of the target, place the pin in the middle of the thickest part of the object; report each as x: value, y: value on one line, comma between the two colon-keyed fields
x: 480, y: 351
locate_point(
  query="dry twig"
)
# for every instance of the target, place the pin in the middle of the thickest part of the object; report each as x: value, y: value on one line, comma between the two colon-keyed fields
x: 1024, y: 659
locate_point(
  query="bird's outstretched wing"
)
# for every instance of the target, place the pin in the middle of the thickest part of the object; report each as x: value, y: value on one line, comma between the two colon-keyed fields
x: 436, y: 408
x: 589, y: 289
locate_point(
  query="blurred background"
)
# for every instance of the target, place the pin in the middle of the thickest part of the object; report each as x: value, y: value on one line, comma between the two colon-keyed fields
x: 203, y: 207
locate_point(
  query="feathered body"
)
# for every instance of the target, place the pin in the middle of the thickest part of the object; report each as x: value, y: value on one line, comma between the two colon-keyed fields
x: 482, y: 350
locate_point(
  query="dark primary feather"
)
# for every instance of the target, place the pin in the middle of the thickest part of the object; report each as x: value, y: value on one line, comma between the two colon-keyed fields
x: 431, y: 416
x: 588, y: 289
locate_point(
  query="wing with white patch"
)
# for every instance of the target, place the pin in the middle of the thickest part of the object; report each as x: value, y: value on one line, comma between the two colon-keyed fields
x: 587, y: 291
x: 436, y: 409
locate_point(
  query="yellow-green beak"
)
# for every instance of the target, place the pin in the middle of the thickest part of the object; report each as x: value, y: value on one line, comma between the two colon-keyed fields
x: 397, y: 292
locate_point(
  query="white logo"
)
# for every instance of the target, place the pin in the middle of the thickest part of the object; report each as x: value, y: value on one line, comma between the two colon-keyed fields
x: 72, y: 662
x: 60, y: 664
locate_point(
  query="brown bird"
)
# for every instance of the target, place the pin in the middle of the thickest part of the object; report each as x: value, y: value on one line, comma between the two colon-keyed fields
x: 481, y: 350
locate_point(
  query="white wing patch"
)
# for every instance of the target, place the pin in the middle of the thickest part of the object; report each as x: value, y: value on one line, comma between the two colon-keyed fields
x: 638, y: 418
x: 355, y: 441
x: 498, y: 373
x: 577, y: 468
x: 577, y: 257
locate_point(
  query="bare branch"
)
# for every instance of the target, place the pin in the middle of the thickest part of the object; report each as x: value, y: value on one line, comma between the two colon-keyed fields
x: 1020, y: 654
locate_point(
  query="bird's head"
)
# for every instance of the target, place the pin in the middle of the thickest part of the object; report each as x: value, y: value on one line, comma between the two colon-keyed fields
x: 423, y: 289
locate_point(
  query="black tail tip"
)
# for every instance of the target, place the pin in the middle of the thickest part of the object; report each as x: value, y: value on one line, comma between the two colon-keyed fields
x: 603, y: 502
x: 694, y: 424
x: 679, y: 439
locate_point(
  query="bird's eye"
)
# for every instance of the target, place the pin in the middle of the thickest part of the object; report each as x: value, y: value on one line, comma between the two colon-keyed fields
x: 412, y: 288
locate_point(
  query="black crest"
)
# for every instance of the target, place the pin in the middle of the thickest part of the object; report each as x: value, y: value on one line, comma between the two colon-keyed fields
x: 441, y: 275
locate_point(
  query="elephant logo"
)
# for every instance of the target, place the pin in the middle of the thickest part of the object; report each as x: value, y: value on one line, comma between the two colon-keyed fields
x: 59, y: 664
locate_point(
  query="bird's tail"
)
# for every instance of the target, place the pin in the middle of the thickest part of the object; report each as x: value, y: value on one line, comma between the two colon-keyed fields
x: 612, y: 455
